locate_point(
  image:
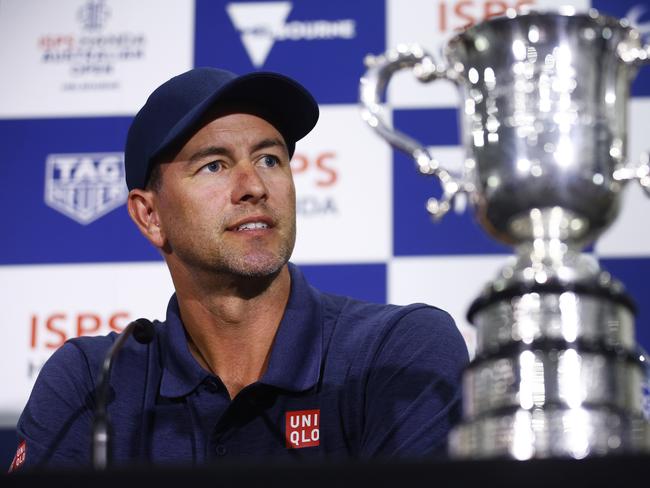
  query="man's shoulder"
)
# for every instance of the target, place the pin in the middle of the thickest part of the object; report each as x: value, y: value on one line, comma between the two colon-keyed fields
x: 379, y: 315
x: 91, y: 346
x: 353, y: 323
x: 90, y: 352
x: 78, y: 354
x: 383, y: 361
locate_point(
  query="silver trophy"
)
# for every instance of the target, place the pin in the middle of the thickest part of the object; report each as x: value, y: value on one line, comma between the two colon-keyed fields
x: 557, y: 371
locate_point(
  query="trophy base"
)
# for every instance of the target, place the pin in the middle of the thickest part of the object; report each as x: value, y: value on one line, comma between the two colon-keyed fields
x: 557, y: 371
x: 550, y: 433
x: 550, y: 377
x: 591, y: 316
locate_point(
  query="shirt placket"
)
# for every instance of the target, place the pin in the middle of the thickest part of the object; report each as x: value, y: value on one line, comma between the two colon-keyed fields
x: 209, y: 404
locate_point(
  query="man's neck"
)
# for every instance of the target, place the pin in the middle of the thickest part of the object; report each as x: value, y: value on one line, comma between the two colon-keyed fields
x: 231, y: 327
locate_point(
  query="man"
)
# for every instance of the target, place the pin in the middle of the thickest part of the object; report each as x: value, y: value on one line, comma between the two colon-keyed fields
x: 250, y: 361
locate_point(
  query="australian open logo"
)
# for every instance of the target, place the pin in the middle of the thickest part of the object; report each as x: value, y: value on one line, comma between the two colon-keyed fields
x: 93, y: 50
x: 93, y: 14
x: 85, y: 187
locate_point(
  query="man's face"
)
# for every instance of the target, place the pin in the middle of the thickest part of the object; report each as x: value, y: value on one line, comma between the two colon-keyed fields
x: 226, y: 203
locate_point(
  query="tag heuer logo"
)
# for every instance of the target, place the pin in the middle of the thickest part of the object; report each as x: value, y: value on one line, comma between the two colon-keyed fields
x: 85, y: 186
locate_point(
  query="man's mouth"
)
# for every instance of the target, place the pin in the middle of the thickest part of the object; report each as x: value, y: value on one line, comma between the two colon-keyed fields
x: 252, y: 226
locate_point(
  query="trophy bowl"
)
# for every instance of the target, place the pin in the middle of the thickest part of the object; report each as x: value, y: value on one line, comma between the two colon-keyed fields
x: 543, y: 120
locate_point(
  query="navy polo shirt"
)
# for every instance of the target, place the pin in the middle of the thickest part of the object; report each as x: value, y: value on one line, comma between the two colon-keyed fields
x: 345, y: 379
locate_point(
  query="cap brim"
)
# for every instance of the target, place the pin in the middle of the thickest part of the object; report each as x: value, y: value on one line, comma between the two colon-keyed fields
x: 286, y: 104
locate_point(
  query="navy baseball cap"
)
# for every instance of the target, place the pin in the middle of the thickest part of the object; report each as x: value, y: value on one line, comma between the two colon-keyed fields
x: 176, y: 110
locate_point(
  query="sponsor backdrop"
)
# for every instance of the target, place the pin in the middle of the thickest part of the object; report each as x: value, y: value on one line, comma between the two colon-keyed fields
x: 76, y: 71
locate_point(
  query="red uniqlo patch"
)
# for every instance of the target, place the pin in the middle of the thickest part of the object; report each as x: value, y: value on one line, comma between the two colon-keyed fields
x: 302, y: 428
x: 19, y: 458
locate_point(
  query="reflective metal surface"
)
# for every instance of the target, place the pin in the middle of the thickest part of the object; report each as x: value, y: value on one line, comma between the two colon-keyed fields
x: 544, y: 260
x: 557, y: 377
x: 544, y: 125
x: 543, y: 116
x: 543, y: 433
x: 565, y: 316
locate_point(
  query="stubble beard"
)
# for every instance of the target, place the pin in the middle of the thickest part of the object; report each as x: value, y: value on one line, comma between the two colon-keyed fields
x: 236, y: 262
x: 257, y: 264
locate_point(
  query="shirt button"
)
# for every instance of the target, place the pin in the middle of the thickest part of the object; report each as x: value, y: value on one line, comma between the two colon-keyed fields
x: 221, y: 450
x: 212, y: 386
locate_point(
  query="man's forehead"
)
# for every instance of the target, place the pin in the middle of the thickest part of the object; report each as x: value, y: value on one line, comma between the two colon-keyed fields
x: 242, y: 130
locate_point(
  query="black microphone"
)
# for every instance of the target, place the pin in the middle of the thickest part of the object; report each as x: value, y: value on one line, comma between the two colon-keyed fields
x: 143, y: 332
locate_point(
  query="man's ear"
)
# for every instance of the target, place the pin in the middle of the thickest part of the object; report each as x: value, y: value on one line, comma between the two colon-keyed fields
x: 143, y: 211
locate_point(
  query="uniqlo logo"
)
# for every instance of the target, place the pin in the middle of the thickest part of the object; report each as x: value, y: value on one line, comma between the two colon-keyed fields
x: 19, y: 458
x: 302, y: 428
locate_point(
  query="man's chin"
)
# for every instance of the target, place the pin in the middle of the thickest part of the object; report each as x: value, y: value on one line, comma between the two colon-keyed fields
x: 257, y: 267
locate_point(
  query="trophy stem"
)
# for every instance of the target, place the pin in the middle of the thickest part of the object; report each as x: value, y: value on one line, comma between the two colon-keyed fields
x: 554, y: 224
x: 557, y: 371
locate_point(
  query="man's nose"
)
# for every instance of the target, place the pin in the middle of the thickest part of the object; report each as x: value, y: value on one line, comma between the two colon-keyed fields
x: 248, y: 185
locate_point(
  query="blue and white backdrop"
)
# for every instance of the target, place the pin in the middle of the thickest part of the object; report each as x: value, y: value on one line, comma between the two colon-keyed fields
x: 74, y: 72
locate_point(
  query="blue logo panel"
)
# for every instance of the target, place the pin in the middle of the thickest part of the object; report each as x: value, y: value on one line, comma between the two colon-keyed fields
x: 639, y: 14
x: 360, y: 281
x: 634, y: 272
x: 320, y: 44
x: 54, y: 226
x: 414, y: 232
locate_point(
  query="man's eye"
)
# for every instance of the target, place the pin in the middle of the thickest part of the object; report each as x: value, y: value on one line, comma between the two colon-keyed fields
x: 212, y: 167
x: 270, y: 161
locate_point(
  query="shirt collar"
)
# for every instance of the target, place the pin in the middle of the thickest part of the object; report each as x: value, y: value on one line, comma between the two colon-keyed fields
x: 298, y: 346
x: 181, y: 372
x: 296, y: 353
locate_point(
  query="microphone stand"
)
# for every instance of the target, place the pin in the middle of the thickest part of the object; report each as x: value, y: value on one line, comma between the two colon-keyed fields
x: 143, y: 332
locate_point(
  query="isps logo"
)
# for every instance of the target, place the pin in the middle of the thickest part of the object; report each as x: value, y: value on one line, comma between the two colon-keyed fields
x: 85, y: 187
x: 49, y: 331
x: 316, y: 176
x: 460, y: 14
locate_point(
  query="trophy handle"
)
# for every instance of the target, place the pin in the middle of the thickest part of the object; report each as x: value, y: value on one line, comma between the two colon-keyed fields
x: 640, y: 172
x: 634, y: 55
x: 373, y: 84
